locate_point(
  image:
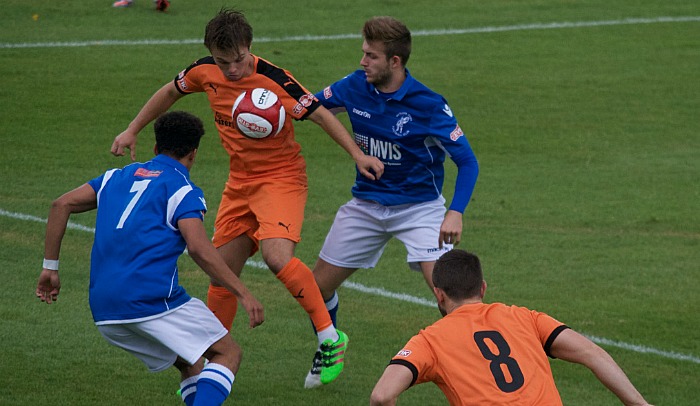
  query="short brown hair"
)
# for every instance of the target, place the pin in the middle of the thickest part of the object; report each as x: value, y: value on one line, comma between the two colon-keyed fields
x: 458, y: 273
x: 392, y: 33
x: 228, y: 31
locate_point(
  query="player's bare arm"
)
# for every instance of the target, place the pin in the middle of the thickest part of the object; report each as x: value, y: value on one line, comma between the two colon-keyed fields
x: 451, y: 228
x: 208, y: 258
x: 77, y: 200
x: 158, y: 104
x: 394, y: 380
x: 369, y: 166
x: 573, y: 347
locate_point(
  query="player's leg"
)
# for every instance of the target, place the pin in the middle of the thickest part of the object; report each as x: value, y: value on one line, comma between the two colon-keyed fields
x: 222, y: 302
x: 217, y: 376
x: 176, y: 339
x: 356, y: 240
x: 122, y: 3
x: 279, y: 208
x: 162, y: 5
x: 329, y: 277
x: 299, y: 281
x: 193, y: 332
x: 418, y: 227
x: 278, y: 254
x: 189, y: 374
x: 234, y: 238
x: 426, y: 268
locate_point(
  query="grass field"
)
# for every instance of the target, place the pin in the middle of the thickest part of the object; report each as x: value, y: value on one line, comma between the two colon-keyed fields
x: 584, y: 118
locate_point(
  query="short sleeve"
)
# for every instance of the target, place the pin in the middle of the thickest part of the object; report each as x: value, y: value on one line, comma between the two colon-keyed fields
x: 189, y: 204
x: 418, y: 356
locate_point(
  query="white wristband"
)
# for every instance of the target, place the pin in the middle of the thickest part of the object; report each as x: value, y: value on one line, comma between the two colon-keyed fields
x: 51, y: 264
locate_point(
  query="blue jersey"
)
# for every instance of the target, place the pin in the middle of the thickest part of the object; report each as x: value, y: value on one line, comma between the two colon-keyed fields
x: 133, y: 270
x: 410, y: 131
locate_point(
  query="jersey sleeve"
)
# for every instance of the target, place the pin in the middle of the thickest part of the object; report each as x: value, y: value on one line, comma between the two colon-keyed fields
x: 298, y: 102
x: 548, y: 328
x: 99, y: 182
x: 331, y: 97
x: 457, y: 146
x: 188, y: 80
x: 418, y: 356
x: 187, y: 202
x: 96, y: 183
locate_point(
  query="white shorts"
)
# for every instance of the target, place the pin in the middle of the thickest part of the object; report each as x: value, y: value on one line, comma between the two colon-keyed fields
x: 186, y: 332
x: 362, y: 229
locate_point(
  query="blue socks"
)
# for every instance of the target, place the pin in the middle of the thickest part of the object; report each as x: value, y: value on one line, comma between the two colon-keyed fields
x: 332, y: 306
x: 210, y: 388
x: 188, y: 390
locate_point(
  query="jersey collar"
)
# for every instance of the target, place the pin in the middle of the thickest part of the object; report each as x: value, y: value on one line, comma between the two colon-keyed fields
x: 401, y: 93
x: 166, y: 160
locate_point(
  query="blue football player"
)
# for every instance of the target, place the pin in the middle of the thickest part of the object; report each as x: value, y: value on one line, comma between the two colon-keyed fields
x: 411, y: 129
x: 147, y: 214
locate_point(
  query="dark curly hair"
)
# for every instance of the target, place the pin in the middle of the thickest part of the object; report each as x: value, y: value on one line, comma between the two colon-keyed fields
x: 177, y: 133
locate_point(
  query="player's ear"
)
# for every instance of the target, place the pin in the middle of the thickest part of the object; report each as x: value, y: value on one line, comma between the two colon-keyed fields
x: 155, y: 149
x: 483, y: 289
x: 439, y: 295
x: 395, y: 61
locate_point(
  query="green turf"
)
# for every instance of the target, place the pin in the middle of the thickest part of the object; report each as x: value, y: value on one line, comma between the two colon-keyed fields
x: 586, y: 206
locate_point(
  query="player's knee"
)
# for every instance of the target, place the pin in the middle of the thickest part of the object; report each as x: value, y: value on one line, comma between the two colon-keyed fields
x: 276, y: 261
x: 225, y: 352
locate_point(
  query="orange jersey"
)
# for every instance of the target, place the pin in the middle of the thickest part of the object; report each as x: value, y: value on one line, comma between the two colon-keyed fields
x: 486, y: 354
x: 278, y: 155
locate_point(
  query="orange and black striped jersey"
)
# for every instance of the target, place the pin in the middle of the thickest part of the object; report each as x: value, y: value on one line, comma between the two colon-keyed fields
x: 276, y: 156
x: 486, y: 354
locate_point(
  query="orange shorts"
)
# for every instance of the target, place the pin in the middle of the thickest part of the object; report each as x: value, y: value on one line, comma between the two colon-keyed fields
x: 261, y: 209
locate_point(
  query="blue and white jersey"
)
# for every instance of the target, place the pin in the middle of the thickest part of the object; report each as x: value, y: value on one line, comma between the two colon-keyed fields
x: 410, y: 131
x: 133, y: 271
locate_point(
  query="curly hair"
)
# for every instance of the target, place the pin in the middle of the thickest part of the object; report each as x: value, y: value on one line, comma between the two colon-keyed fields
x: 177, y: 133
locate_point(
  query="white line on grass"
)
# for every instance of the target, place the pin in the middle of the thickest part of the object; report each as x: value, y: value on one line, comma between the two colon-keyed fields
x: 404, y: 297
x: 418, y: 33
x: 28, y: 217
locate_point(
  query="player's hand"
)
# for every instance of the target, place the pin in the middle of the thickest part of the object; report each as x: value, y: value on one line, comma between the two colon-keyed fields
x: 370, y: 167
x: 451, y: 229
x: 126, y: 139
x: 48, y: 286
x: 254, y: 308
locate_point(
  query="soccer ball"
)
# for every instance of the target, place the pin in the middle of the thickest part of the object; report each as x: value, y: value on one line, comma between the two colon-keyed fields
x: 258, y: 113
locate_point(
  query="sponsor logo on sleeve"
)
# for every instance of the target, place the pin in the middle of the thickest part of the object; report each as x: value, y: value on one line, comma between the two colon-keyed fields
x: 456, y: 133
x: 298, y: 109
x: 403, y: 353
x: 307, y: 99
x: 327, y: 92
